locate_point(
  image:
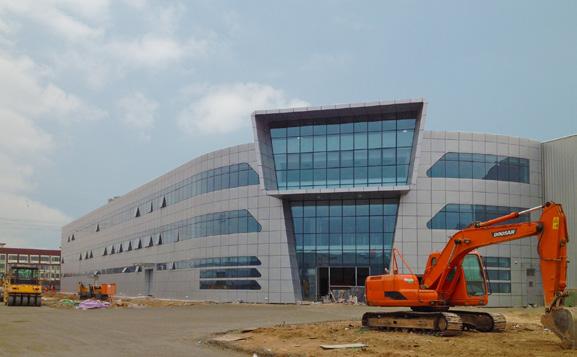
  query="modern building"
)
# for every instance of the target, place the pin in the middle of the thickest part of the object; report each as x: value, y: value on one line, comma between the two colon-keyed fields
x: 47, y: 261
x: 315, y: 204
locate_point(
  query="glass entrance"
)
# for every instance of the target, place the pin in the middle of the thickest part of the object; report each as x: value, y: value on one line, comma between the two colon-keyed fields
x: 338, y: 283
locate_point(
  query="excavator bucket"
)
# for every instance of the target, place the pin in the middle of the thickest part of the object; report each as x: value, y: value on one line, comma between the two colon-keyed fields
x: 563, y: 322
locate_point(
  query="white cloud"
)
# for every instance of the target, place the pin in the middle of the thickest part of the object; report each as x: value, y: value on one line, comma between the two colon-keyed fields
x: 153, y: 50
x: 69, y: 19
x: 26, y: 99
x: 227, y: 108
x: 22, y: 91
x: 138, y: 112
x: 28, y: 223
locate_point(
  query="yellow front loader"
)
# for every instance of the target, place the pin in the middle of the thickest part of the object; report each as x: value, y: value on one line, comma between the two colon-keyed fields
x: 21, y: 287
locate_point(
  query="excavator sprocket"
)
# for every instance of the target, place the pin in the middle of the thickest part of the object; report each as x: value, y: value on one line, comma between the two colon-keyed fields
x: 482, y: 321
x: 563, y: 322
x: 439, y: 323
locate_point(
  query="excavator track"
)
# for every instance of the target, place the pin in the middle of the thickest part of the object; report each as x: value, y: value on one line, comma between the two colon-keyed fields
x: 438, y: 323
x: 482, y: 321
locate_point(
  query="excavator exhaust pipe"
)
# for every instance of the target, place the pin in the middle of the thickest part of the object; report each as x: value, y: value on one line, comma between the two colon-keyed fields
x: 563, y: 322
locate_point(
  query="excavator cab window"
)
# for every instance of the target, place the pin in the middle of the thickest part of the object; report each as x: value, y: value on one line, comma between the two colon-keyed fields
x: 474, y: 275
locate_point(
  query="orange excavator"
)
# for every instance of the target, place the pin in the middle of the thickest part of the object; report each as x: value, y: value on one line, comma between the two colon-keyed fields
x: 456, y: 277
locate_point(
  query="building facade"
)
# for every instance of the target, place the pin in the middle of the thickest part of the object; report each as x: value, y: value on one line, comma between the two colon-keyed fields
x: 47, y: 261
x: 313, y: 206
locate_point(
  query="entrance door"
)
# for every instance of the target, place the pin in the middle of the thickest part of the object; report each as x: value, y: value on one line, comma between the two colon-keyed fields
x: 148, y: 281
x: 342, y: 281
x: 323, y: 282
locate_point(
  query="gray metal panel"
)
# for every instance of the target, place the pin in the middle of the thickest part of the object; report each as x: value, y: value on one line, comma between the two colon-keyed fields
x: 559, y: 173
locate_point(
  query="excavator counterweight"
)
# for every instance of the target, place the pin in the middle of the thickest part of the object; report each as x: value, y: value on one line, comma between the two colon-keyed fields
x: 455, y: 276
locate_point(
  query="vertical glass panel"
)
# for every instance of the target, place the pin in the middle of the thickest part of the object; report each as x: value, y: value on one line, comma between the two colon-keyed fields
x: 306, y: 143
x: 293, y: 145
x: 320, y: 143
x: 320, y: 159
x: 279, y: 146
x: 347, y: 142
x: 333, y: 142
x: 361, y: 140
x: 404, y: 138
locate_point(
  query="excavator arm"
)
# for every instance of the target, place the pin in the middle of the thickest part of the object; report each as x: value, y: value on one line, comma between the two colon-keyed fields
x: 551, y: 230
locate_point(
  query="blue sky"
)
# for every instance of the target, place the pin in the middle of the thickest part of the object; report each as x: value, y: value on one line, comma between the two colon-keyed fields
x: 98, y: 97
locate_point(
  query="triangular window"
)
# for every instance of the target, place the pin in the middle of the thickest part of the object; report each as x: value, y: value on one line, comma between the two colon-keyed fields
x: 112, y: 250
x: 97, y: 228
x: 72, y: 237
x: 91, y: 256
x: 163, y: 202
x: 137, y: 212
x: 80, y: 258
x: 120, y: 249
x: 151, y: 207
x: 68, y: 239
x: 150, y: 243
x: 105, y: 252
x: 139, y: 244
x: 129, y: 247
x: 172, y: 266
x: 159, y: 239
x: 86, y: 255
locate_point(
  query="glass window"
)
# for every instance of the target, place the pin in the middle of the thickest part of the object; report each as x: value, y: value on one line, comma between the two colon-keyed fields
x: 481, y: 167
x: 345, y: 149
x: 459, y: 216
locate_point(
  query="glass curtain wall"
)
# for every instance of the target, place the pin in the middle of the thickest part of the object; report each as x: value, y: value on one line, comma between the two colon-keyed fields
x: 346, y: 153
x: 342, y: 233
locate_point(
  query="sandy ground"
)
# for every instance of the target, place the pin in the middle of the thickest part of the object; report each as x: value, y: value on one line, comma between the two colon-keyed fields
x: 524, y: 337
x: 144, y: 330
x: 148, y: 327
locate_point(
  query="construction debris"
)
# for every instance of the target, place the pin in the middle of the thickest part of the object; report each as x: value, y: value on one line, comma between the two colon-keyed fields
x: 93, y: 304
x: 344, y: 346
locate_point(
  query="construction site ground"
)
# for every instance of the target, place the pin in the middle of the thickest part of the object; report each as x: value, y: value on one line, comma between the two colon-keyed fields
x: 148, y: 327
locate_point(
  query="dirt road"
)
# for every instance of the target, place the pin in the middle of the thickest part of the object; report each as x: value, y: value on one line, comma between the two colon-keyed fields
x: 173, y: 331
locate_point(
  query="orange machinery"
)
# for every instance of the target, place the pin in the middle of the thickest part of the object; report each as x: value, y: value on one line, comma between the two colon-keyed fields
x: 96, y: 291
x: 456, y: 277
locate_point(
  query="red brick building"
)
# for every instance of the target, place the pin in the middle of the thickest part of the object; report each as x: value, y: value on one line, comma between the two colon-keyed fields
x: 47, y: 260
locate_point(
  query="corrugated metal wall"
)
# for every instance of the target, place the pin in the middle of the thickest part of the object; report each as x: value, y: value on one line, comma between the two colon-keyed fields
x: 560, y: 185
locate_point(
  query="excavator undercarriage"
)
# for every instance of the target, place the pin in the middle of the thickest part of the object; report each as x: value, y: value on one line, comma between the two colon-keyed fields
x: 442, y: 323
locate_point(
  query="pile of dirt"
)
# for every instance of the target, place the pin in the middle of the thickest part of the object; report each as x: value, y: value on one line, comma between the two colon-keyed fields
x: 524, y: 336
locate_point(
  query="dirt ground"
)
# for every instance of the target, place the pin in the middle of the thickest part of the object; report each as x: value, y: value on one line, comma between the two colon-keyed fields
x: 145, y: 327
x: 152, y: 327
x: 524, y: 336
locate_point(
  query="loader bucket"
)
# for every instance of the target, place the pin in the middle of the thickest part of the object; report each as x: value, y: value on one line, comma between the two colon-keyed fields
x: 563, y: 322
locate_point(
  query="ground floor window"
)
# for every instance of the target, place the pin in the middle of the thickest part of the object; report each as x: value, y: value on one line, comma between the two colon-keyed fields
x: 499, y: 274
